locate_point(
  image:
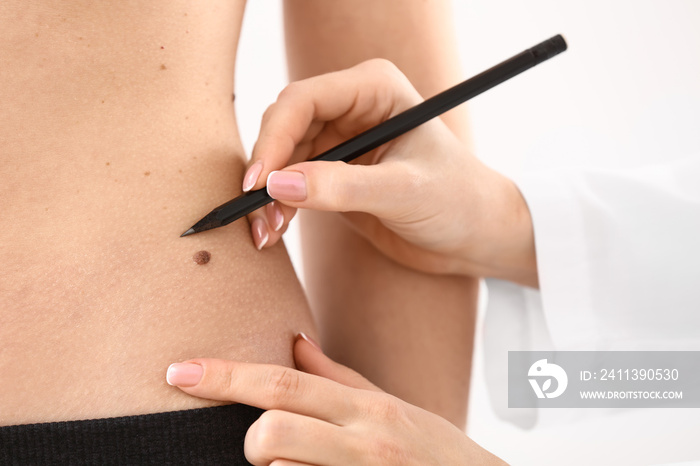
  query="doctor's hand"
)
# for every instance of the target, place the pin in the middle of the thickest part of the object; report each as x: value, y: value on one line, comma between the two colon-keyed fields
x: 328, y: 415
x: 421, y: 199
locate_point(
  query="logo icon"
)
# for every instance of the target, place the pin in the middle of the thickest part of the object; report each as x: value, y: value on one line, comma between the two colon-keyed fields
x: 542, y: 369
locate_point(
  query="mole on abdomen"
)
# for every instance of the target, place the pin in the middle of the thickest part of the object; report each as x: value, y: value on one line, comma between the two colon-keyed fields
x: 201, y: 257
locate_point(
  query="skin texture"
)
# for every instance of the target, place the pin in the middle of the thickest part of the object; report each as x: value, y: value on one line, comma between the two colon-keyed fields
x: 106, y: 159
x: 330, y: 414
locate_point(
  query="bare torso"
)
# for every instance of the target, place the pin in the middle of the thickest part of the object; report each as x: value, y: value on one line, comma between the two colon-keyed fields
x: 117, y: 134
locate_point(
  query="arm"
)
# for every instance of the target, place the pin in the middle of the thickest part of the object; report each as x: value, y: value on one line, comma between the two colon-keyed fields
x: 410, y: 333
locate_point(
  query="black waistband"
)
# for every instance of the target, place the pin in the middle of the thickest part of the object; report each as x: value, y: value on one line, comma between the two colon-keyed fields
x: 210, y: 436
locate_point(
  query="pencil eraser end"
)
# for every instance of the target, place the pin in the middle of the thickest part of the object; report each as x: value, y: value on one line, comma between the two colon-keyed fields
x: 549, y: 48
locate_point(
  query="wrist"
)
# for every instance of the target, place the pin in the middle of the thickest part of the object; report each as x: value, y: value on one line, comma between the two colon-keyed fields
x: 503, y: 242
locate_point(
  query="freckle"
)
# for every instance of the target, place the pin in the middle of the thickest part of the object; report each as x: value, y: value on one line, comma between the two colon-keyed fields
x: 80, y: 38
x: 201, y: 257
x: 163, y: 67
x: 103, y: 101
x: 146, y: 173
x: 36, y: 34
x: 46, y: 209
x: 165, y: 207
x: 107, y: 164
x: 179, y: 171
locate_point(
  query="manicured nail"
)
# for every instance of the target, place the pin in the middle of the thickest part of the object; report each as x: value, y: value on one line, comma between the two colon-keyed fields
x: 260, y: 234
x: 311, y: 341
x: 184, y: 374
x: 286, y: 185
x: 251, y: 176
x: 275, y: 215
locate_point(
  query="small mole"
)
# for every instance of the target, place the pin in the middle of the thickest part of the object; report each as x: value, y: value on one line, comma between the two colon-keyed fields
x: 201, y: 257
x: 36, y: 34
x: 179, y: 171
x: 80, y: 38
x: 146, y: 173
x: 162, y: 47
x: 103, y: 101
x: 233, y: 97
x: 163, y: 67
x: 107, y: 164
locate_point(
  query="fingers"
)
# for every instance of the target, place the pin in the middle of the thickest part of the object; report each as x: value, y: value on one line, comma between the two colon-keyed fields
x: 269, y: 223
x: 281, y: 434
x: 341, y: 187
x: 353, y: 99
x: 329, y: 186
x: 313, y: 115
x: 266, y: 387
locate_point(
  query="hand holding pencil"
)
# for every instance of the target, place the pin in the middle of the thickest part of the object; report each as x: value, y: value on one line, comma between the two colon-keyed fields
x: 422, y: 199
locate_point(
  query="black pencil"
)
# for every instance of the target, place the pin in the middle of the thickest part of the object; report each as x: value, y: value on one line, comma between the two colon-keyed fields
x: 394, y: 127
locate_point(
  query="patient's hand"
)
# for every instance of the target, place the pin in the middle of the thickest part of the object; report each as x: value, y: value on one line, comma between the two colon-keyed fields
x: 327, y: 414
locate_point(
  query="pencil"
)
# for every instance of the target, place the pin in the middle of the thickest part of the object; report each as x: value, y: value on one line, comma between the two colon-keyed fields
x: 394, y: 127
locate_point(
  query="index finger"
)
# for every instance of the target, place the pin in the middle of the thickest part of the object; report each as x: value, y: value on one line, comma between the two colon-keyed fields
x: 268, y: 386
x: 354, y: 99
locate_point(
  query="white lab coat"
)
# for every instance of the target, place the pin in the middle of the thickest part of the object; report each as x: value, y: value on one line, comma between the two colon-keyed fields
x: 618, y: 256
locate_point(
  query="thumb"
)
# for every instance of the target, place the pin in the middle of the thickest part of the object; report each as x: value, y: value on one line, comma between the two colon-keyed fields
x: 380, y: 190
x: 310, y: 359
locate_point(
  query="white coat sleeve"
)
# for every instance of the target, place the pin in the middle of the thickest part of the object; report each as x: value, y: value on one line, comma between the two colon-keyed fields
x: 618, y: 257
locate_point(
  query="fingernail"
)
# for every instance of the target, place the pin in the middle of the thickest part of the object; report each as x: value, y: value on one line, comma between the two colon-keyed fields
x: 286, y: 185
x: 311, y: 341
x: 184, y: 374
x: 251, y: 176
x: 260, y: 234
x: 275, y: 216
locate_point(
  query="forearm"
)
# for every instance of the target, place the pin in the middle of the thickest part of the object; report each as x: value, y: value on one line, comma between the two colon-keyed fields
x: 410, y: 333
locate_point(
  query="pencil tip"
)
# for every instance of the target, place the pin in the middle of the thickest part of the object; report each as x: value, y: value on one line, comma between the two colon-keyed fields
x: 188, y: 232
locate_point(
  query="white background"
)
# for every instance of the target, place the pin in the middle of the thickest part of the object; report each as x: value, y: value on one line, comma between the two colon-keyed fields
x: 626, y: 93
